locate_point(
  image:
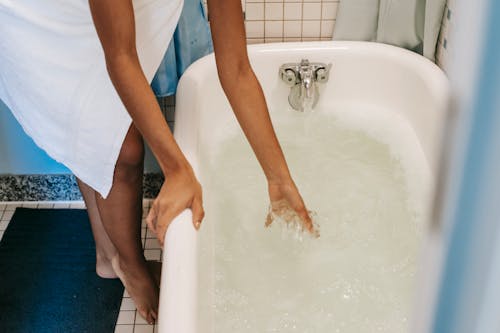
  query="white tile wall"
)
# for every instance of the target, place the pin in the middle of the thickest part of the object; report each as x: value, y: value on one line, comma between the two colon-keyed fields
x: 254, y: 12
x: 289, y: 20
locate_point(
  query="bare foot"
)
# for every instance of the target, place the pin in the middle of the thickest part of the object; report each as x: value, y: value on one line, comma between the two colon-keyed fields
x: 155, y: 270
x: 141, y: 287
x: 104, y: 268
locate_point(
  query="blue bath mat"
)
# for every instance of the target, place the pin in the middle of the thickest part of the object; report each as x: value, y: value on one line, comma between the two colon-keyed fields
x: 47, y: 276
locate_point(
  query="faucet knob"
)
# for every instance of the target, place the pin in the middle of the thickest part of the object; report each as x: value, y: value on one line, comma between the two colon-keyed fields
x: 289, y: 76
x: 323, y: 73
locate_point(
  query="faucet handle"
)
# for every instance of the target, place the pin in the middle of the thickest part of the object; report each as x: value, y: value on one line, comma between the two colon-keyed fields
x: 323, y: 73
x: 288, y: 75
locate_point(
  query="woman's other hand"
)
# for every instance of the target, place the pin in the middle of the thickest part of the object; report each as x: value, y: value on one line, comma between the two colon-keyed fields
x: 181, y: 190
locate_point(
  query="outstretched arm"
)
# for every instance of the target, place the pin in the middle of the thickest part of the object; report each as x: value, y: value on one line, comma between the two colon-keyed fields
x: 114, y: 22
x: 247, y: 100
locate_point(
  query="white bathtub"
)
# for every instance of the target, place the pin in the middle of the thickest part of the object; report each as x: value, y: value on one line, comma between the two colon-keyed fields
x: 370, y: 74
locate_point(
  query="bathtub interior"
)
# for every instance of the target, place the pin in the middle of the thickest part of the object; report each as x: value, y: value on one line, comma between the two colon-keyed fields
x: 363, y: 75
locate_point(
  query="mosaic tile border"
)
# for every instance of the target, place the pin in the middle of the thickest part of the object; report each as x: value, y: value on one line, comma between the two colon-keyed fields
x: 60, y: 187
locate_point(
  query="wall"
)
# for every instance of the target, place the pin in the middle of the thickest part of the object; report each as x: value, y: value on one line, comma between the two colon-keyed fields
x: 289, y: 20
x: 20, y: 156
x: 18, y: 153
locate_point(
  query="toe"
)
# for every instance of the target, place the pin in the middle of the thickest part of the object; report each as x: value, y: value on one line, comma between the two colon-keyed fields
x: 149, y: 317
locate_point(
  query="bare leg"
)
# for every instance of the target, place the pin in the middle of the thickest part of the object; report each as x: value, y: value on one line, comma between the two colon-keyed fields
x: 121, y: 214
x: 105, y: 250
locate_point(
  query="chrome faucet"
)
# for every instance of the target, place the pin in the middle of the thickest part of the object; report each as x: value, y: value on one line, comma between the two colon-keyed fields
x: 302, y: 78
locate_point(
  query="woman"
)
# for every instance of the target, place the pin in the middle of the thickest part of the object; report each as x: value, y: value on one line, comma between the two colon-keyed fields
x: 133, y: 36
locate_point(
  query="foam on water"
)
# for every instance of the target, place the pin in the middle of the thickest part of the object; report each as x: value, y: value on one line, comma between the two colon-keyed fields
x: 369, y: 188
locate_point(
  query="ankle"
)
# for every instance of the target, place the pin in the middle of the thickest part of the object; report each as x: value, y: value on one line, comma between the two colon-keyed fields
x: 129, y: 264
x: 104, y: 256
x: 104, y: 268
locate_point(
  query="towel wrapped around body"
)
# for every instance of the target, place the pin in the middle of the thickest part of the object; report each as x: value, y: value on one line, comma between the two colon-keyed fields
x: 53, y: 78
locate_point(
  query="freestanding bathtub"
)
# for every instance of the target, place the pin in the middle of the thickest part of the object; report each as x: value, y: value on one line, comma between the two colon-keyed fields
x: 363, y: 74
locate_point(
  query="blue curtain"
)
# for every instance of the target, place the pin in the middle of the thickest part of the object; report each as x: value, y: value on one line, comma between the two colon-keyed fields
x: 191, y: 41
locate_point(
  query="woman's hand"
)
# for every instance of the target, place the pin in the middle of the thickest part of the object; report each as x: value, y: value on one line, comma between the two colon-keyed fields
x: 181, y: 190
x: 285, y: 196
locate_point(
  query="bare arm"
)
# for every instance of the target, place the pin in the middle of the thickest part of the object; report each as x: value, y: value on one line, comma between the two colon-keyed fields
x: 247, y: 100
x: 114, y: 22
x: 242, y: 88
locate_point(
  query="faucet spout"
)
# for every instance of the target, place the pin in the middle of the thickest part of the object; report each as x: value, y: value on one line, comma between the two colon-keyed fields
x: 303, y: 78
x: 307, y: 87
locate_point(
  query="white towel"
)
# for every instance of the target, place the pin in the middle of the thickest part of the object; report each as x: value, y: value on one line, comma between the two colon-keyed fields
x: 53, y: 78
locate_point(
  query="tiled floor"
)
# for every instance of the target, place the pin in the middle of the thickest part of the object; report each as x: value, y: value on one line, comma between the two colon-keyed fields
x: 129, y: 321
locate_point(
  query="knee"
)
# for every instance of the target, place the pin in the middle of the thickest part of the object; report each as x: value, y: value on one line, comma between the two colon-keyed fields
x: 131, y: 157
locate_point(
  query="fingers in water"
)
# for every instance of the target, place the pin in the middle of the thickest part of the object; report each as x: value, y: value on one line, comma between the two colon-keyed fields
x: 307, y: 220
x: 296, y: 218
x: 269, y: 220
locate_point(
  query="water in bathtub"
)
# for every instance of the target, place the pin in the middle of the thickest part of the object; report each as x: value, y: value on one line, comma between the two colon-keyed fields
x: 365, y: 175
